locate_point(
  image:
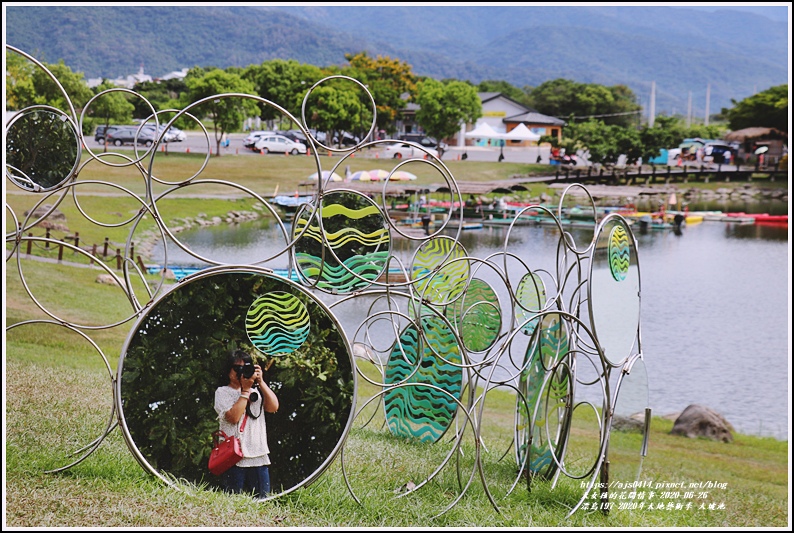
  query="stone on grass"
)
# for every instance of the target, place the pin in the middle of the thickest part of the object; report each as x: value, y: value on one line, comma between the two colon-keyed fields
x: 699, y: 421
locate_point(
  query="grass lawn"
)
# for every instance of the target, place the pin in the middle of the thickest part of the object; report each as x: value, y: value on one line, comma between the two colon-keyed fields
x: 749, y: 477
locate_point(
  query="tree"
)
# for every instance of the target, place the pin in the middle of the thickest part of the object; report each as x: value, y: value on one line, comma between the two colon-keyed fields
x: 162, y: 95
x: 767, y: 109
x: 445, y: 106
x: 283, y: 82
x: 227, y: 114
x: 112, y: 106
x: 665, y: 133
x: 603, y: 142
x: 28, y: 85
x: 387, y: 79
x: 333, y: 108
x: 561, y: 97
x: 19, y: 82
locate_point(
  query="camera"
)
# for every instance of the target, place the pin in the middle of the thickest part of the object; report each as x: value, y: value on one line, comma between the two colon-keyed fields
x: 246, y: 370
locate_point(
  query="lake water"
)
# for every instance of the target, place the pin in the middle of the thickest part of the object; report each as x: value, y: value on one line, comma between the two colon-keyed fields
x: 715, y: 307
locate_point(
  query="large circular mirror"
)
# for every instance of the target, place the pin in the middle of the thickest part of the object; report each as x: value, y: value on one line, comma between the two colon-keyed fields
x: 174, y: 359
x: 42, y: 149
x: 615, y: 289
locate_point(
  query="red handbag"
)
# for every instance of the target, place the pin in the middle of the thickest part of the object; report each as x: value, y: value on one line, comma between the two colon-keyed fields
x: 227, y: 452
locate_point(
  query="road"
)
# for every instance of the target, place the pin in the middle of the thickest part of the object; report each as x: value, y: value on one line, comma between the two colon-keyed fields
x: 196, y: 142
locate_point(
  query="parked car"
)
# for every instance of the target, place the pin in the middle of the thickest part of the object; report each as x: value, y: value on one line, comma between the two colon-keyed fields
x: 404, y: 150
x: 127, y: 135
x: 424, y: 140
x: 175, y: 135
x: 347, y: 139
x: 319, y: 136
x: 278, y: 144
x: 254, y: 136
x: 716, y: 152
x: 296, y: 136
x: 172, y: 135
x: 102, y: 131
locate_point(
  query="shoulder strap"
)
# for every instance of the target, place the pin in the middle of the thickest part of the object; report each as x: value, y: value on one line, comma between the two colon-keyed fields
x: 245, y: 419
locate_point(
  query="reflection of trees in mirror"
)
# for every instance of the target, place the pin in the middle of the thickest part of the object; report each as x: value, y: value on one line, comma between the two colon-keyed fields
x: 42, y: 145
x: 172, y: 367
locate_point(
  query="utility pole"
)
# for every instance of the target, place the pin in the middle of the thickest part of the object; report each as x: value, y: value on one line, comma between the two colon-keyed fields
x: 708, y: 97
x: 689, y: 111
x: 652, y: 110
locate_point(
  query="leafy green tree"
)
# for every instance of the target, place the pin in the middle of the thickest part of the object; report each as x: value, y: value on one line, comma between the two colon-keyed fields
x: 27, y: 85
x: 387, y: 79
x: 19, y: 82
x: 665, y: 133
x: 162, y: 95
x: 445, y: 106
x: 111, y: 107
x: 226, y: 114
x: 47, y: 92
x: 605, y: 143
x: 561, y: 97
x: 767, y: 109
x: 283, y: 82
x: 332, y: 108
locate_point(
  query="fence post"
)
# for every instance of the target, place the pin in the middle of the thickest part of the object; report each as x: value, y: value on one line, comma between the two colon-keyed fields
x: 118, y: 259
x: 60, y: 251
x: 76, y: 240
x: 653, y: 173
x: 668, y: 174
x: 93, y: 253
x: 47, y: 235
x: 132, y: 249
x: 141, y: 265
x: 105, y: 249
x: 30, y: 243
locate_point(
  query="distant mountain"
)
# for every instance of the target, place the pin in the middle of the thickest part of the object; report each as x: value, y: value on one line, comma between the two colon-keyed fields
x: 683, y: 50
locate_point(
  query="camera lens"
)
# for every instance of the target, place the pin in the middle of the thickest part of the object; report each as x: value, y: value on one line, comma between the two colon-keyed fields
x: 253, y: 397
x: 248, y: 370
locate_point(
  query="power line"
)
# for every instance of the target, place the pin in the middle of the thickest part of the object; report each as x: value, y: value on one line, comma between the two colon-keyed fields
x: 607, y: 115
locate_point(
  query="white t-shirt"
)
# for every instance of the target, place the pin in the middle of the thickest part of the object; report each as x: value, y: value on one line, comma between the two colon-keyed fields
x: 254, y: 437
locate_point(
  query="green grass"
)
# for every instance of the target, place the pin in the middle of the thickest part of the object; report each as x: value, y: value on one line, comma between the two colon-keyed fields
x: 45, y: 424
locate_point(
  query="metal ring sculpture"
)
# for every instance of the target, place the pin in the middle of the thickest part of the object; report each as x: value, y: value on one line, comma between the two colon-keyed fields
x: 437, y: 330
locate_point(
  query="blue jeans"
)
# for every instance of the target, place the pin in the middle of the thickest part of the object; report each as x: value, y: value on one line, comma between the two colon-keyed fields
x: 254, y: 479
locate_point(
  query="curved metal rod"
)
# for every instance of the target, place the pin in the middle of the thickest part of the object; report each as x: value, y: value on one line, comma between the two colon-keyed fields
x: 93, y: 445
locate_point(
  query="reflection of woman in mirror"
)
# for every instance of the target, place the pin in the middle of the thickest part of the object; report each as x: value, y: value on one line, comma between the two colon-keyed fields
x: 243, y: 400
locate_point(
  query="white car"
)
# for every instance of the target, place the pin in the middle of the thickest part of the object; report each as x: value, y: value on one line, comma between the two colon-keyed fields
x: 175, y: 135
x: 254, y: 136
x: 404, y: 150
x: 278, y: 144
x: 172, y: 135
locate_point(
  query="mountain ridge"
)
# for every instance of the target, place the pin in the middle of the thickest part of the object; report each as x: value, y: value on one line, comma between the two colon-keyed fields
x: 683, y: 50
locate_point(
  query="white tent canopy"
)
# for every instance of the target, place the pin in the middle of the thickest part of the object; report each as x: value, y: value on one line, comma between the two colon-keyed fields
x: 521, y: 133
x: 484, y: 131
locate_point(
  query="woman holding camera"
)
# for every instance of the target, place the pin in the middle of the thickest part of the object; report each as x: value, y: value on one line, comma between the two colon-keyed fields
x: 240, y: 406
